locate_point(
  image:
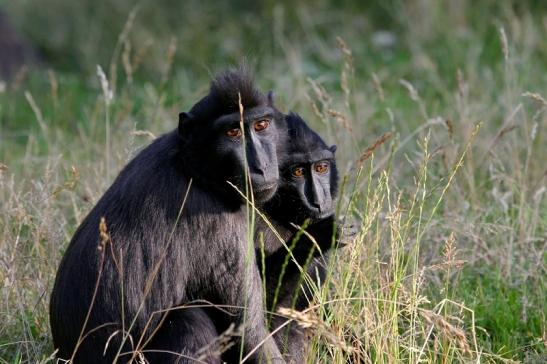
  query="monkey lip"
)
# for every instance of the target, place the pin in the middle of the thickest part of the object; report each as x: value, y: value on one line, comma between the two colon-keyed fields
x: 317, y: 214
x: 264, y: 192
x: 265, y: 187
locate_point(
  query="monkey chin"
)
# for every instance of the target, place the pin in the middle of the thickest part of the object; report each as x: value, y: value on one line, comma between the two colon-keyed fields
x: 265, y: 193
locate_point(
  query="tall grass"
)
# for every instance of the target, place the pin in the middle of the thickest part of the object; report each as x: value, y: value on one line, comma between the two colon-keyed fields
x: 448, y: 263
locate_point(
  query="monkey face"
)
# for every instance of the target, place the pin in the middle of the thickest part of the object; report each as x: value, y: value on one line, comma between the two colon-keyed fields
x: 311, y: 188
x: 235, y: 148
x: 309, y: 178
x: 233, y: 135
x: 312, y: 181
x: 251, y: 144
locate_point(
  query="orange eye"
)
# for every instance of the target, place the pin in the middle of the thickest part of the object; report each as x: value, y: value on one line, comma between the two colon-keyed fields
x: 261, y: 124
x: 234, y: 133
x: 298, y: 172
x: 321, y: 167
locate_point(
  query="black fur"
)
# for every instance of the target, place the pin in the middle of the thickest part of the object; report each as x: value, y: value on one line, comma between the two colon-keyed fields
x: 155, y: 260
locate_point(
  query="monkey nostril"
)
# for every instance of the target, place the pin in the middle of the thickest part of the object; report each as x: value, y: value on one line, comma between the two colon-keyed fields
x: 263, y: 168
x: 256, y: 169
x: 316, y: 204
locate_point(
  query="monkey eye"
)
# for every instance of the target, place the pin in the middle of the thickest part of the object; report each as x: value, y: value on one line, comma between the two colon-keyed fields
x: 234, y: 133
x: 298, y: 172
x: 321, y: 167
x: 261, y: 124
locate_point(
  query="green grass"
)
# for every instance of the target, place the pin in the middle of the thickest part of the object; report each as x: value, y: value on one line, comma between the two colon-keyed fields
x: 507, y: 319
x: 449, y: 261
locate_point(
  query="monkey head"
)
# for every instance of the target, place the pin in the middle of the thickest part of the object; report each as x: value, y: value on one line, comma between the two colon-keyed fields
x: 309, y: 178
x: 233, y: 143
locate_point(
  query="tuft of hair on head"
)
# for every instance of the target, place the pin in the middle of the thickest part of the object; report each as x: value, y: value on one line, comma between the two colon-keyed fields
x: 229, y: 85
x: 224, y: 95
x: 301, y: 135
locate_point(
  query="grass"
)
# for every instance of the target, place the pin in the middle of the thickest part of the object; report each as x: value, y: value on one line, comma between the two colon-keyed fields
x: 448, y: 264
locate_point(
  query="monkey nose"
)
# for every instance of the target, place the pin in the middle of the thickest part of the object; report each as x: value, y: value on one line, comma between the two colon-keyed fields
x: 317, y: 200
x: 261, y: 170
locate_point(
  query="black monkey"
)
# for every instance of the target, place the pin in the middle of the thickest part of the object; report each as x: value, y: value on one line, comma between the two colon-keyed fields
x: 161, y: 253
x: 306, y: 193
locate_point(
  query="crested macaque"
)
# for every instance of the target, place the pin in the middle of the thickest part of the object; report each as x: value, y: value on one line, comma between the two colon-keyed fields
x: 176, y: 233
x: 305, y: 197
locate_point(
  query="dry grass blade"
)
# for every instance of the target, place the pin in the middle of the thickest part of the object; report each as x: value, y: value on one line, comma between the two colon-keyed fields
x: 70, y: 183
x: 370, y: 150
x: 378, y: 87
x: 340, y: 118
x: 449, y: 254
x: 304, y: 319
x: 504, y: 44
x: 411, y: 90
x: 103, y: 234
x: 146, y: 133
x: 447, y: 330
x: 538, y: 98
x: 309, y: 321
x: 222, y: 343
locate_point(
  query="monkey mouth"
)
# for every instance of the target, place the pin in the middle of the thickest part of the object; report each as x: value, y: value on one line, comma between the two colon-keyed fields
x: 265, y: 187
x: 317, y: 214
x: 264, y: 192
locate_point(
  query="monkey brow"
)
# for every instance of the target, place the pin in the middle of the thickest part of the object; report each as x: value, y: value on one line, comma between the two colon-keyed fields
x: 248, y: 115
x: 311, y: 157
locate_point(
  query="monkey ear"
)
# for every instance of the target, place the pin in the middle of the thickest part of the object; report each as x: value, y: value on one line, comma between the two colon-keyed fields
x: 333, y: 148
x: 184, y: 120
x: 271, y: 96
